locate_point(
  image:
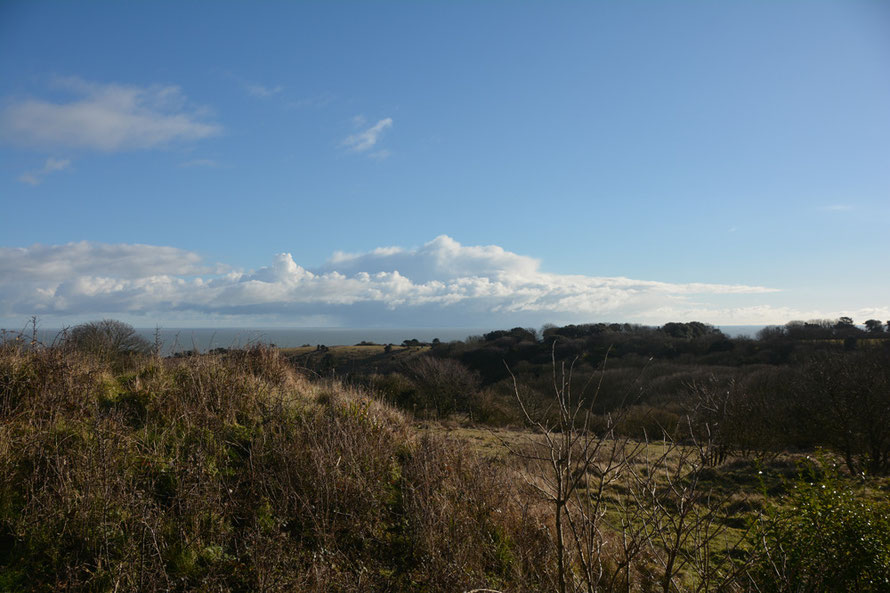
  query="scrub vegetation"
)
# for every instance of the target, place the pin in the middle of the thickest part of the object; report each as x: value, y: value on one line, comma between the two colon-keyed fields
x: 567, y: 461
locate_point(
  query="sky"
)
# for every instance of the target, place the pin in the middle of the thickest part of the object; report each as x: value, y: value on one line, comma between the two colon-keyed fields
x: 443, y: 164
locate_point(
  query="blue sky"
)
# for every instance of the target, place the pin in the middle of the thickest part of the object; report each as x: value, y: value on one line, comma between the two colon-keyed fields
x: 436, y: 164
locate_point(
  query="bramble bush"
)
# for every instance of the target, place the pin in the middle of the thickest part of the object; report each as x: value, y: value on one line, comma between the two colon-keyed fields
x: 826, y: 536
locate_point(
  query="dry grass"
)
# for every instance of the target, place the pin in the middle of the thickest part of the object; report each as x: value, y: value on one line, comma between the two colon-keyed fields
x: 235, y: 473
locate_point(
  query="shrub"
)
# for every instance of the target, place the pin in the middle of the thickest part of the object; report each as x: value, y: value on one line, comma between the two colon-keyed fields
x: 826, y: 536
x: 230, y: 472
x: 107, y: 339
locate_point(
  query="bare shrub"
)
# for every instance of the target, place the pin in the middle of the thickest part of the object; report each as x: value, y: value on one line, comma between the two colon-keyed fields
x: 624, y: 515
x: 46, y: 383
x: 849, y: 392
x: 467, y: 530
x: 443, y: 385
x: 107, y: 338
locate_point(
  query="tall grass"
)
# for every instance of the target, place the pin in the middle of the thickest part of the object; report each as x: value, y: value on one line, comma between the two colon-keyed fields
x: 234, y: 473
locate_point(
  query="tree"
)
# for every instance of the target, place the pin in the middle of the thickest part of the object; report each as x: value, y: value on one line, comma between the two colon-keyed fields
x: 849, y: 392
x: 844, y: 323
x: 443, y: 384
x: 772, y: 332
x: 668, y: 525
x: 874, y: 326
x: 845, y: 328
x: 572, y: 465
x: 108, y: 337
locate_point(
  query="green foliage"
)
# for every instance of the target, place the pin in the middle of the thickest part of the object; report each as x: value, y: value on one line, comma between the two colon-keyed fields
x: 826, y: 536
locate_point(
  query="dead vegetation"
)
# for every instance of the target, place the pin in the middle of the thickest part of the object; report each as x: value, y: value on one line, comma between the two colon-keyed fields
x: 234, y: 473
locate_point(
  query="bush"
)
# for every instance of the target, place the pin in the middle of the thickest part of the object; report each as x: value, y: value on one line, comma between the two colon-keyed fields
x: 107, y: 338
x: 230, y: 472
x: 827, y: 536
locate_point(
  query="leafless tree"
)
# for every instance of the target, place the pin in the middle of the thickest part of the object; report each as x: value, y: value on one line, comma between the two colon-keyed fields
x: 107, y: 337
x: 622, y: 512
x: 571, y: 461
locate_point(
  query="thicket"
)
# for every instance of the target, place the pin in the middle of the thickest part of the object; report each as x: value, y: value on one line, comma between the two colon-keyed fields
x: 794, y: 388
x: 233, y: 473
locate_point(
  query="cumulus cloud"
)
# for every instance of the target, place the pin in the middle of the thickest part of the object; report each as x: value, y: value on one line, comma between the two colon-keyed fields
x: 106, y: 117
x: 443, y: 258
x: 366, y: 140
x: 439, y: 283
x: 51, y: 166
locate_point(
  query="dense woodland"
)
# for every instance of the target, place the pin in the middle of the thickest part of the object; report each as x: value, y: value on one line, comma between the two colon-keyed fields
x: 823, y: 383
x: 601, y: 457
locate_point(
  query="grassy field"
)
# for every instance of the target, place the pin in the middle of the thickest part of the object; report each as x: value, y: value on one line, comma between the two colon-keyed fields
x: 348, y: 360
x: 661, y: 495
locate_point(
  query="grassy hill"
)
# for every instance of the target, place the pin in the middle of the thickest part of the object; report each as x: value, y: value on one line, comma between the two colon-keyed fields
x: 237, y: 471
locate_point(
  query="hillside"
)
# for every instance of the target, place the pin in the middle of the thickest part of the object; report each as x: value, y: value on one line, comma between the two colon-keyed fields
x: 238, y: 472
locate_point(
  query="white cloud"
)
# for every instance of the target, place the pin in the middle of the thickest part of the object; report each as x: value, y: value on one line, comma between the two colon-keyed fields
x: 443, y: 258
x: 254, y: 89
x: 439, y: 283
x: 42, y: 263
x: 106, y: 117
x: 367, y: 139
x: 379, y: 155
x: 52, y: 165
x: 209, y: 163
x: 258, y: 90
x: 315, y: 101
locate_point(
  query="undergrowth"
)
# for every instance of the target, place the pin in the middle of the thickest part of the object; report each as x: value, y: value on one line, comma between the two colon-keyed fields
x: 234, y: 473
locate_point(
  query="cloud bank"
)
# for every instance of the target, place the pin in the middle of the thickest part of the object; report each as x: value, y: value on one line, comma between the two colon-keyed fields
x: 105, y: 117
x: 441, y: 283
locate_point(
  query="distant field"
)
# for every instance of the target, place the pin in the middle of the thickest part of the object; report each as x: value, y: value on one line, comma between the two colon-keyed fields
x: 362, y: 351
x: 351, y: 359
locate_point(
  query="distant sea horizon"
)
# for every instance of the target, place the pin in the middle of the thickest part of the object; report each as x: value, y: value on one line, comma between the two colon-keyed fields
x: 203, y: 339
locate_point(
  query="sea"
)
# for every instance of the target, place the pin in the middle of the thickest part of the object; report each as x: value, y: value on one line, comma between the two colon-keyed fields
x: 182, y: 339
